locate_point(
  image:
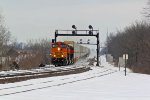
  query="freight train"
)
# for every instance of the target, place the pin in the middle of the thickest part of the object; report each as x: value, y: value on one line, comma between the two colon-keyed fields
x: 66, y: 53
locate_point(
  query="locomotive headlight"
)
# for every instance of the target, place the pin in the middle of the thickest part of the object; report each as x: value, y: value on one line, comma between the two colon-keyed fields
x: 58, y: 49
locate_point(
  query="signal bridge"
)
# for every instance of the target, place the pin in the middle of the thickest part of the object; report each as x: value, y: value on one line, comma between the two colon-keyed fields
x: 90, y: 32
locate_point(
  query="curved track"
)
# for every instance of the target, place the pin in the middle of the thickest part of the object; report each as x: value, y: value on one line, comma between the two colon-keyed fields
x: 17, y: 76
x: 51, y: 83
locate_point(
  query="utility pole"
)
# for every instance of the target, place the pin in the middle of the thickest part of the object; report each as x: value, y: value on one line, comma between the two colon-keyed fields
x: 107, y: 44
x: 125, y: 66
x: 125, y: 57
x: 97, y: 49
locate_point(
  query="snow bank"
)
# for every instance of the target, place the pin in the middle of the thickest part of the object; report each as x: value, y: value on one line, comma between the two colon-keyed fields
x: 100, y: 83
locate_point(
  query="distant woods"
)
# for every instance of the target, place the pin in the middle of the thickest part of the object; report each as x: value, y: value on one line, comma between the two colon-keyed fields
x: 39, y: 52
x: 27, y: 55
x: 135, y: 41
x: 4, y: 40
x: 146, y: 11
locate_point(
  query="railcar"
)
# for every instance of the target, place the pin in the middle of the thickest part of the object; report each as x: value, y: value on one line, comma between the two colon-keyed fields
x: 68, y: 52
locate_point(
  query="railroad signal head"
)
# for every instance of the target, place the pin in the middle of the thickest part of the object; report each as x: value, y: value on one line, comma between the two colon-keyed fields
x: 53, y: 40
x: 88, y: 41
x: 74, y: 27
x: 73, y: 32
x: 90, y: 27
x: 56, y: 31
x: 80, y: 41
x: 91, y: 32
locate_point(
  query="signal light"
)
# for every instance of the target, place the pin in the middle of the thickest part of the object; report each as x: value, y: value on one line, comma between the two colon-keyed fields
x: 58, y: 49
x: 74, y: 27
x: 88, y: 41
x: 80, y: 41
x: 53, y: 40
x: 91, y: 32
x: 73, y: 32
x: 90, y: 27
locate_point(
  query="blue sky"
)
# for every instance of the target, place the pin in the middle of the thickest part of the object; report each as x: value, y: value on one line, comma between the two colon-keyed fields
x: 33, y: 19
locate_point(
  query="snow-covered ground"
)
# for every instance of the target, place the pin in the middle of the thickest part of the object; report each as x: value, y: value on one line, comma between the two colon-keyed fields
x: 100, y: 83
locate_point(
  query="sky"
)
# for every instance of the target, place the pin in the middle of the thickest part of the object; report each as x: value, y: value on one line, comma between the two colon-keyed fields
x: 34, y: 19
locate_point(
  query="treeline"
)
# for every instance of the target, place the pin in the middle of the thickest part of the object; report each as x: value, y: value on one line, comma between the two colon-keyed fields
x: 4, y: 40
x: 134, y: 41
x: 26, y: 55
x: 34, y: 53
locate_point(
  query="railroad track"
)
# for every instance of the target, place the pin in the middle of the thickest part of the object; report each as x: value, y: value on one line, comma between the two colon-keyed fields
x: 20, y: 76
x: 52, y: 83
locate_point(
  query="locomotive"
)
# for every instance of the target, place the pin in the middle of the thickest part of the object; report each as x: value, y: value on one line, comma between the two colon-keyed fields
x: 67, y: 52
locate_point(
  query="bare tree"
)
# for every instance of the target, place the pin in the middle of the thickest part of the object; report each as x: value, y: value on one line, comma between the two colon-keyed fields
x: 4, y: 38
x: 146, y: 11
x: 37, y: 52
x: 134, y: 41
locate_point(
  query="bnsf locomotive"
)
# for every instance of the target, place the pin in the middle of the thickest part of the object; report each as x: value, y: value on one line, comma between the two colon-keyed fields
x: 68, y: 52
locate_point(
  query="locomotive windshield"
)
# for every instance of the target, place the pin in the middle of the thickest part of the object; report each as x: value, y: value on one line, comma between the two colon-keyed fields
x: 63, y: 46
x: 54, y: 45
